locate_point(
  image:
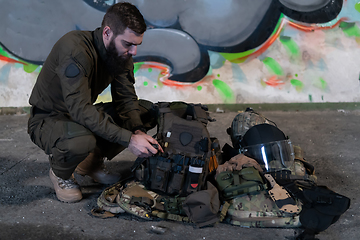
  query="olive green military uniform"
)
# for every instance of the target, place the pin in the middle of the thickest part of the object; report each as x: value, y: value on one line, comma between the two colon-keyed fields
x: 64, y: 121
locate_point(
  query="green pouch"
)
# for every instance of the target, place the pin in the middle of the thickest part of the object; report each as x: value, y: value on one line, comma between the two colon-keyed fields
x: 234, y: 183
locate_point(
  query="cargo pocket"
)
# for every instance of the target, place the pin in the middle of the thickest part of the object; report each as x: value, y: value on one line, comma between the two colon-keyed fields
x: 73, y: 129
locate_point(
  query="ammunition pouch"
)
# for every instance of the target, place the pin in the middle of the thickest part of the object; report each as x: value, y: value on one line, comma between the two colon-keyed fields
x: 234, y: 183
x: 178, y: 175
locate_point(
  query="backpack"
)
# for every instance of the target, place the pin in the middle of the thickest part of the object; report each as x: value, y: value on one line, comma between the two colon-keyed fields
x: 319, y: 207
x: 248, y: 201
x: 189, y: 151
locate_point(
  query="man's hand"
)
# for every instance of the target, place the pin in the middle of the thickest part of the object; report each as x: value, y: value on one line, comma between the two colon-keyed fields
x: 141, y: 144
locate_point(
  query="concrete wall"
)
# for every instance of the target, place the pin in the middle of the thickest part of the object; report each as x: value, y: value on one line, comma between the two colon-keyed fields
x: 209, y: 51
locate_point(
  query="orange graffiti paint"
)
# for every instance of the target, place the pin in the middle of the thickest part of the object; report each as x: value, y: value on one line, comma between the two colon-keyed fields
x: 10, y: 60
x: 312, y: 28
x: 274, y: 81
x: 267, y: 44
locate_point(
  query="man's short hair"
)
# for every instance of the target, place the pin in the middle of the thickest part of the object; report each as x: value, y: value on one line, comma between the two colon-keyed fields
x: 124, y: 15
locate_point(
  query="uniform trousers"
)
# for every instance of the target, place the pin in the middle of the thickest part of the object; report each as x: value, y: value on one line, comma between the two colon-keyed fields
x: 68, y: 143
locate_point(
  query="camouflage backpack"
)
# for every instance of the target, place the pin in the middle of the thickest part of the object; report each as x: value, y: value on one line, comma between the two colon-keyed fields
x: 189, y: 151
x: 250, y: 202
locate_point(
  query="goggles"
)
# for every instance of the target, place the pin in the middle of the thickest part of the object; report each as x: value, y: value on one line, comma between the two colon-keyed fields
x: 272, y: 156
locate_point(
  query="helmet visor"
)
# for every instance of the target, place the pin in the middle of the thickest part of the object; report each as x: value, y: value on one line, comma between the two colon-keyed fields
x: 272, y: 156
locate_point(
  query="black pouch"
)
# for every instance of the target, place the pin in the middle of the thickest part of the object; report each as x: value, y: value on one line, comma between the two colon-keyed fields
x: 322, y: 208
x: 160, y: 176
x: 176, y: 182
x: 192, y: 182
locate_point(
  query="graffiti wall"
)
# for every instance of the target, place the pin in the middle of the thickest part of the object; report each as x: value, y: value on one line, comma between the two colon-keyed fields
x: 208, y: 51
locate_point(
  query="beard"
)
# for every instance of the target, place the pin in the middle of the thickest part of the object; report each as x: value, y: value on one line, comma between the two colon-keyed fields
x: 115, y: 63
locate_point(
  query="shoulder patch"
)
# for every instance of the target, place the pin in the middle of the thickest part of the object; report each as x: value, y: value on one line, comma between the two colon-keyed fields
x: 72, y: 70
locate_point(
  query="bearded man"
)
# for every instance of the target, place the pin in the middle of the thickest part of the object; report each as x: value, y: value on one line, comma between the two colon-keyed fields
x: 64, y: 121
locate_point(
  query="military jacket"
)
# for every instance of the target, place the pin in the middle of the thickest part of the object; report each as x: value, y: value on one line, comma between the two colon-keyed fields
x: 73, y: 76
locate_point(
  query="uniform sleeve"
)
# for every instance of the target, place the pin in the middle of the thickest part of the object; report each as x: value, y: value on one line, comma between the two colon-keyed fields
x: 125, y: 98
x: 77, y: 97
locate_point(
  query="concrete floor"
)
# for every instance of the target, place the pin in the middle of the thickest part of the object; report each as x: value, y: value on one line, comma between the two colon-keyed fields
x: 29, y: 208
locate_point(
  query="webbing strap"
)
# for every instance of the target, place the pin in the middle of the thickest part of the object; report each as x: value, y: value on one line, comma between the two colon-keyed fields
x: 236, y: 178
x: 224, y: 210
x: 101, y: 213
x: 170, y: 216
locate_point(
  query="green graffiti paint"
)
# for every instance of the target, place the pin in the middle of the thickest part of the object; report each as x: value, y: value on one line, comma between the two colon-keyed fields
x: 296, y: 75
x: 297, y: 84
x: 137, y: 66
x: 320, y: 83
x: 350, y: 29
x: 218, y: 75
x: 290, y: 46
x: 224, y: 90
x: 4, y: 53
x: 310, y: 98
x: 273, y: 66
x: 357, y: 6
x: 29, y: 68
x: 150, y: 70
x: 233, y: 57
x: 155, y: 86
x: 323, y: 83
x: 199, y: 88
x: 145, y: 83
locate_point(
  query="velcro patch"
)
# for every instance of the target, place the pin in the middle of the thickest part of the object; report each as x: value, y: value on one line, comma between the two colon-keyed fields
x: 72, y: 70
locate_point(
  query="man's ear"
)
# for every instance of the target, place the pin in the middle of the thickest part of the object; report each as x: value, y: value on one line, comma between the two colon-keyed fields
x: 107, y: 34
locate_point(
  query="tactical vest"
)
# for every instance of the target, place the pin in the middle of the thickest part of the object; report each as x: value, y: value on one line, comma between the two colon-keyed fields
x: 189, y: 151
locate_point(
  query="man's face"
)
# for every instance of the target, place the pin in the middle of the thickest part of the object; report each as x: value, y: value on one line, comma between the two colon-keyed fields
x: 123, y: 46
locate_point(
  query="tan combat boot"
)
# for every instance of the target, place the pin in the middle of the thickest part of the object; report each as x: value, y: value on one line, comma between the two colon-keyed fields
x: 94, y: 167
x: 66, y: 190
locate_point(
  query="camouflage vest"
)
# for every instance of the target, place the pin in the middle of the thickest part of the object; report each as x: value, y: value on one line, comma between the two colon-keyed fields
x: 134, y: 198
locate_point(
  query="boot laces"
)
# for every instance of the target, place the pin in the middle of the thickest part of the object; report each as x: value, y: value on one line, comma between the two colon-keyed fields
x: 67, y: 183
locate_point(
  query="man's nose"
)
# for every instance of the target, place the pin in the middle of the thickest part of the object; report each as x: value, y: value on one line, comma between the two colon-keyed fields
x: 133, y: 50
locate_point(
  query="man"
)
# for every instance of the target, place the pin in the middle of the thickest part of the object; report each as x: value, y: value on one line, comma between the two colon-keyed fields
x: 65, y: 123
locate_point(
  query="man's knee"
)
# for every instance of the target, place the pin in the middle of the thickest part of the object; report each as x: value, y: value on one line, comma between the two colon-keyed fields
x: 73, y: 150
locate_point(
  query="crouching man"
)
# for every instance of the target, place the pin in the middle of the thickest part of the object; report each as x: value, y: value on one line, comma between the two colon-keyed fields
x: 76, y: 134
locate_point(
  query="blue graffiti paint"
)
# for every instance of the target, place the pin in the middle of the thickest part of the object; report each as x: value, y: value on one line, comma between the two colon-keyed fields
x: 216, y: 60
x: 322, y: 65
x: 238, y: 74
x: 4, y: 73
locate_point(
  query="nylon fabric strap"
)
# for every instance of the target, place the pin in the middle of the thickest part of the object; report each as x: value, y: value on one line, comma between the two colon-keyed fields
x: 169, y: 216
x: 236, y: 178
x: 101, y: 213
x: 224, y: 211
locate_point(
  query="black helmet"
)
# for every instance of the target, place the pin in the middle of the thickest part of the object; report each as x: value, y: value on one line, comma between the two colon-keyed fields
x: 269, y: 146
